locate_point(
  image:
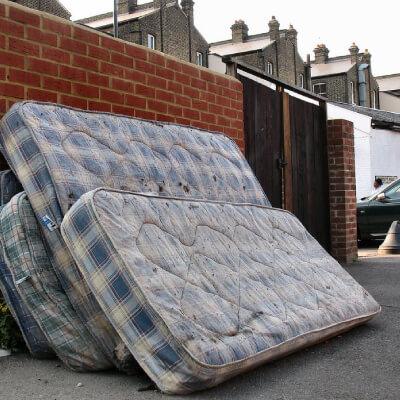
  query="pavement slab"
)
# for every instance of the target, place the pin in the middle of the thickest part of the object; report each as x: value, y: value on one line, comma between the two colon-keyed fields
x: 362, y: 364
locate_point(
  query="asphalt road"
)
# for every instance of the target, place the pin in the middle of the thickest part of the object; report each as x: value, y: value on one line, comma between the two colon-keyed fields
x: 363, y: 364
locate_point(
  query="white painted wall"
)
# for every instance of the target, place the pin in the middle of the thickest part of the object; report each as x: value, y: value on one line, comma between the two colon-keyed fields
x: 362, y: 147
x: 385, y: 157
x: 376, y: 150
x: 216, y: 64
x: 388, y: 102
x: 388, y: 82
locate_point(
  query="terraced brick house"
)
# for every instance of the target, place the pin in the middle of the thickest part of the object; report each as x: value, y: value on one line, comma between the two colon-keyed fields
x: 54, y: 7
x: 162, y: 25
x: 347, y: 79
x: 274, y: 52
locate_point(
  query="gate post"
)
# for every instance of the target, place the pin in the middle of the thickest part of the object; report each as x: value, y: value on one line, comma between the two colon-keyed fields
x: 342, y: 190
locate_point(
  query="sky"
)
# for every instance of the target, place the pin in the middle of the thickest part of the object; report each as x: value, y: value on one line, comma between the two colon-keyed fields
x: 371, y: 24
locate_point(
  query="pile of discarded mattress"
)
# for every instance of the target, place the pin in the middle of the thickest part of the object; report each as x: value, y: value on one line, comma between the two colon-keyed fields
x: 132, y: 244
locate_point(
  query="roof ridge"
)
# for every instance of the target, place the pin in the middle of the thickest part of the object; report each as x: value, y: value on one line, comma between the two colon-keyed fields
x: 395, y: 75
x: 109, y: 14
x: 262, y: 35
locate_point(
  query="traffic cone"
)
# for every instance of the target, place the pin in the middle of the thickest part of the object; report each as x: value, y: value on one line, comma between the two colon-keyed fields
x: 391, y: 245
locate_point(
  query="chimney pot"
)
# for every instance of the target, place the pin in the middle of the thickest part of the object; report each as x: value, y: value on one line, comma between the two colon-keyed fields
x: 127, y: 6
x: 292, y: 34
x: 366, y: 57
x: 354, y: 50
x: 188, y: 9
x: 274, y: 28
x: 132, y: 6
x: 321, y: 54
x: 240, y: 31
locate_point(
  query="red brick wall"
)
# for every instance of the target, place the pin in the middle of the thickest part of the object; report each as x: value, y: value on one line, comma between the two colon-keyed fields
x: 45, y: 58
x: 342, y: 190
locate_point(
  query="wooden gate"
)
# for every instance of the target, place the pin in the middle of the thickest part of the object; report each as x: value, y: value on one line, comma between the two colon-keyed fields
x: 286, y: 145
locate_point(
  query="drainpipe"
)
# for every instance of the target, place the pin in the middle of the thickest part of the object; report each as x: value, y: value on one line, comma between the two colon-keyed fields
x: 276, y: 58
x: 369, y: 86
x: 116, y: 18
x: 362, y: 85
x: 162, y: 25
x: 295, y: 64
x: 190, y: 37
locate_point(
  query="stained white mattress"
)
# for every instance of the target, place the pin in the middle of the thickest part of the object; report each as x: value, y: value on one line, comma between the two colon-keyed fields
x: 59, y: 153
x: 202, y: 291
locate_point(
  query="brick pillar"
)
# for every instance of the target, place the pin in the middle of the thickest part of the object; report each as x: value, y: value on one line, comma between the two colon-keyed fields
x: 342, y: 190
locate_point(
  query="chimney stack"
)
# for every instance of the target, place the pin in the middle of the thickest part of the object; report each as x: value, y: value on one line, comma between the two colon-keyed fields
x: 132, y: 6
x: 240, y: 31
x: 321, y: 54
x: 127, y: 6
x: 273, y: 28
x: 291, y: 34
x: 366, y: 57
x: 188, y: 9
x: 354, y: 50
x: 158, y: 3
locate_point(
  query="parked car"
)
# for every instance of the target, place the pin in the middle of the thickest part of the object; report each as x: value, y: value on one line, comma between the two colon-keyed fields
x: 376, y: 213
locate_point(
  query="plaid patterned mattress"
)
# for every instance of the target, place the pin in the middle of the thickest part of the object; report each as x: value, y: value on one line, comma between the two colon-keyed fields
x: 33, y: 336
x: 202, y: 291
x: 37, y: 284
x: 9, y: 186
x: 60, y: 153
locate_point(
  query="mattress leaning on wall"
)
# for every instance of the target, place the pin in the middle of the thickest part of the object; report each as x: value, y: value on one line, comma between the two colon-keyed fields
x: 37, y: 284
x: 202, y: 291
x: 32, y: 334
x: 60, y: 153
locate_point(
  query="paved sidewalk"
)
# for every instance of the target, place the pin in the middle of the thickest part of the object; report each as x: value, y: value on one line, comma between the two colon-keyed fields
x: 363, y: 364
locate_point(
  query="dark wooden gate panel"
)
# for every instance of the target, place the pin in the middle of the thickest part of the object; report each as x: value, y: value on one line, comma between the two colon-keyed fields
x: 310, y: 184
x: 263, y: 126
x: 286, y: 146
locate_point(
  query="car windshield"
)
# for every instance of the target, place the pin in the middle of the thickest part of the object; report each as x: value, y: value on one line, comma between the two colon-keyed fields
x: 379, y: 190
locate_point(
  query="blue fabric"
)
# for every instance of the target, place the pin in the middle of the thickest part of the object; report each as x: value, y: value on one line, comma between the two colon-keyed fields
x: 32, y: 334
x: 60, y: 153
x: 202, y: 291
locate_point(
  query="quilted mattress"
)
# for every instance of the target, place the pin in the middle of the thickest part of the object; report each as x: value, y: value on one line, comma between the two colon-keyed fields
x: 33, y: 336
x: 36, y: 283
x: 59, y: 153
x: 9, y: 186
x: 202, y: 291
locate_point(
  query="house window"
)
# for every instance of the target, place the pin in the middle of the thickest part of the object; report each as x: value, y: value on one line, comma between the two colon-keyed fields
x: 320, y: 88
x: 301, y: 81
x: 151, y: 41
x: 352, y: 95
x: 199, y: 58
x: 270, y: 68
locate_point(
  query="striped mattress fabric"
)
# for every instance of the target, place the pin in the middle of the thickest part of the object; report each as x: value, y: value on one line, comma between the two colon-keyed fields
x: 33, y: 336
x: 202, y: 291
x: 9, y: 186
x: 60, y: 153
x: 36, y: 283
